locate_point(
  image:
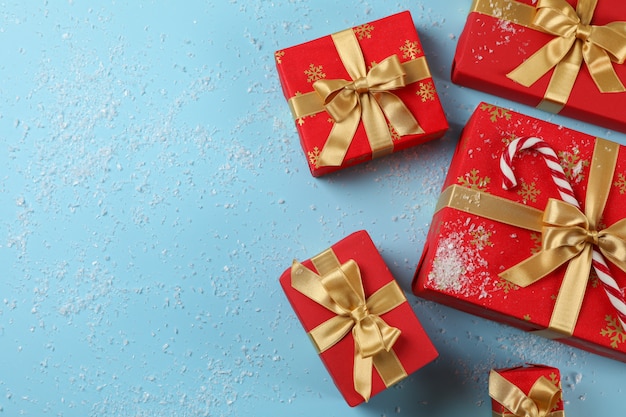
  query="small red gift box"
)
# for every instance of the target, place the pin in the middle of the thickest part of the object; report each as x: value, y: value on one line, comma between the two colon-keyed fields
x: 361, y: 93
x: 357, y: 317
x: 522, y: 256
x: 541, y: 54
x: 526, y: 390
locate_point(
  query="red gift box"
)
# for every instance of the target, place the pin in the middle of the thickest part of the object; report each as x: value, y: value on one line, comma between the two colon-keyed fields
x: 480, y: 231
x: 361, y: 93
x: 514, y: 391
x: 500, y: 35
x: 369, y: 338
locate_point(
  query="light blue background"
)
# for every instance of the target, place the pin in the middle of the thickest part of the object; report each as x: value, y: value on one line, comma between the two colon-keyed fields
x: 153, y: 189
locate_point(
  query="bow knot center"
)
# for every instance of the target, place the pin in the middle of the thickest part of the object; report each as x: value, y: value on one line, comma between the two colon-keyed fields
x: 359, y: 313
x: 583, y: 32
x: 361, y: 86
x: 593, y: 237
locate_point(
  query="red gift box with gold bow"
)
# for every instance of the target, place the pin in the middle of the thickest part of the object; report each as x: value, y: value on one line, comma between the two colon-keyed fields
x: 524, y: 256
x: 361, y: 93
x: 531, y: 390
x: 358, y: 318
x: 563, y: 56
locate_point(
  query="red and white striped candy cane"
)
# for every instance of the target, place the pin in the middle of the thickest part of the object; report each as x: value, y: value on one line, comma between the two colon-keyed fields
x: 613, y: 291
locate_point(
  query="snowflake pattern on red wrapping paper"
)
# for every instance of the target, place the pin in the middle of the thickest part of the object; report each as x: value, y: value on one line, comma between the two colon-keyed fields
x: 426, y: 91
x: 613, y: 331
x: 395, y: 136
x: 507, y: 287
x: 473, y: 181
x: 557, y: 383
x: 573, y: 165
x: 278, y: 55
x: 621, y: 183
x: 481, y: 238
x: 496, y: 112
x: 508, y: 139
x: 528, y: 192
x: 364, y: 31
x: 314, y: 157
x: 314, y: 73
x: 536, y: 238
x: 410, y: 49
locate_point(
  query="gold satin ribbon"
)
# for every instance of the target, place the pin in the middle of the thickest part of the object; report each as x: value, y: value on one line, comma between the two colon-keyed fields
x: 576, y: 40
x: 539, y: 402
x: 339, y: 288
x: 568, y: 235
x: 367, y: 97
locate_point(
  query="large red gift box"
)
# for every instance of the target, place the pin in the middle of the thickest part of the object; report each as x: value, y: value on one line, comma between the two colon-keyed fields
x: 501, y: 35
x: 482, y: 235
x: 526, y: 390
x: 357, y: 317
x: 361, y: 93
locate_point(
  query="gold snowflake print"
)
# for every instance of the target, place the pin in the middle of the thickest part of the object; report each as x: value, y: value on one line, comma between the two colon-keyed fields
x: 507, y: 140
x: 480, y: 238
x: 279, y: 56
x: 364, y: 31
x: 496, y: 112
x: 528, y: 192
x: 314, y: 73
x: 427, y: 91
x: 613, y: 331
x: 395, y: 136
x: 557, y: 383
x: 621, y: 183
x: 507, y: 287
x: 410, y: 49
x: 555, y: 379
x: 473, y: 181
x: 536, y: 238
x: 527, y: 317
x: 573, y: 166
x: 300, y: 121
x: 314, y: 157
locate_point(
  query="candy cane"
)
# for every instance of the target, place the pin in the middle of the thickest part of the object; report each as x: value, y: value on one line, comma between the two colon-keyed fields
x: 613, y: 291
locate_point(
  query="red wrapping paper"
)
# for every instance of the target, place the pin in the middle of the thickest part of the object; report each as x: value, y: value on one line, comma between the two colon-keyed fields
x: 299, y: 66
x: 489, y: 48
x: 464, y: 253
x: 524, y: 377
x: 413, y: 347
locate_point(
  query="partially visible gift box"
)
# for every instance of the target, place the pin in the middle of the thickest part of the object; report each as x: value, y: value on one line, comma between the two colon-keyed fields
x: 540, y: 53
x: 361, y: 93
x: 531, y: 390
x: 522, y: 256
x: 358, y: 318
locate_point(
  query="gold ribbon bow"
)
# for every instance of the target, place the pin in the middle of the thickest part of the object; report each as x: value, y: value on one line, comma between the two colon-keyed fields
x: 367, y: 97
x: 339, y: 288
x: 568, y: 235
x: 541, y: 399
x: 576, y: 40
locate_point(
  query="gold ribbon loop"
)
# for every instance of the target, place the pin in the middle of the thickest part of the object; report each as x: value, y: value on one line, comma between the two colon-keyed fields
x: 539, y: 402
x: 575, y: 41
x: 339, y: 288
